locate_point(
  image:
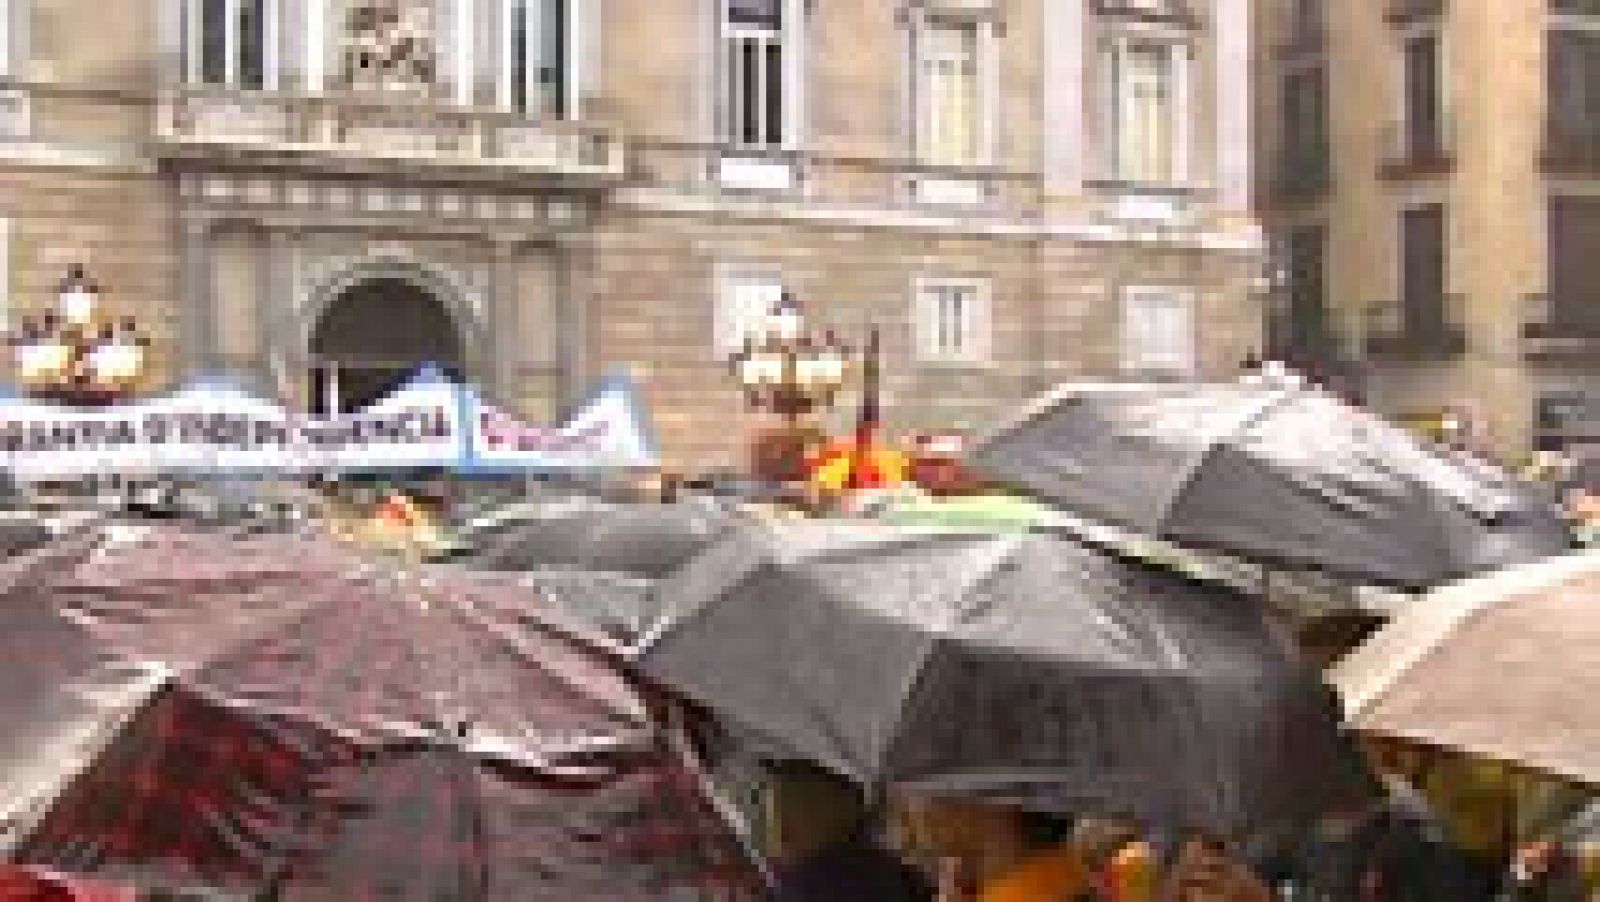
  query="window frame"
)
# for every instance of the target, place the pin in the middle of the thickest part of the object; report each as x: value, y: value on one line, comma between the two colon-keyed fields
x: 241, y: 67
x: 789, y: 40
x: 974, y: 346
x: 1181, y: 60
x: 1443, y: 106
x: 730, y: 322
x: 1137, y: 361
x: 985, y: 57
x: 526, y: 74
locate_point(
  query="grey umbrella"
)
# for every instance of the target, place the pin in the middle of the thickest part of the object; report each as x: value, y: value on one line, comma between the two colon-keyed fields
x: 1026, y: 668
x: 587, y: 534
x: 1274, y: 472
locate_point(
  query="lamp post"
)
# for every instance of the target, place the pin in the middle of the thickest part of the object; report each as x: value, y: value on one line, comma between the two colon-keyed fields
x: 76, y: 355
x: 787, y: 370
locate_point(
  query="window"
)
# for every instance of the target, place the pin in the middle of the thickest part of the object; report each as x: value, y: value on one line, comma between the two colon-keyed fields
x: 1424, y: 105
x: 745, y: 295
x: 225, y: 42
x: 755, y: 74
x: 1422, y: 268
x: 1158, y: 331
x: 1145, y: 82
x: 1305, y: 127
x: 952, y: 320
x: 1305, y: 250
x: 539, y: 34
x: 1574, y: 90
x: 1574, y: 279
x: 950, y: 118
x: 1305, y: 21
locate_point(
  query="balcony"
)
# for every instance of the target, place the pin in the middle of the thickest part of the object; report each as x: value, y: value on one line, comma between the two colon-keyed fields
x: 1416, y: 150
x: 1575, y: 7
x: 1402, y: 331
x: 1571, y: 151
x: 361, y: 131
x: 1405, y: 12
x: 1557, y: 328
x: 1301, y: 181
x: 1304, y: 39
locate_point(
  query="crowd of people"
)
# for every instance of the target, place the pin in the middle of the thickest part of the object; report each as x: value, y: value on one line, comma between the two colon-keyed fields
x: 1439, y: 828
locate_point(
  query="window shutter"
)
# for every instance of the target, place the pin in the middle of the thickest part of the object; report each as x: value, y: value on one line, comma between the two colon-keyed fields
x: 1158, y: 331
x: 1110, y: 111
x: 981, y: 335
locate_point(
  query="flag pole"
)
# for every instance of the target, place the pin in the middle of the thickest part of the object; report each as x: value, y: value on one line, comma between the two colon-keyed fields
x: 871, y: 413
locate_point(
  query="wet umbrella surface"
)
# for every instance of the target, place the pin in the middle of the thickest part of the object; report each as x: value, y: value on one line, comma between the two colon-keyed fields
x: 642, y: 540
x: 271, y: 716
x: 1276, y: 473
x: 1025, y: 668
x: 1505, y: 666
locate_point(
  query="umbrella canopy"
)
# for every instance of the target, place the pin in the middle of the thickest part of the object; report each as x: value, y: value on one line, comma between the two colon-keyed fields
x: 307, y: 727
x: 1274, y: 472
x: 1024, y: 668
x: 644, y: 540
x: 1506, y: 666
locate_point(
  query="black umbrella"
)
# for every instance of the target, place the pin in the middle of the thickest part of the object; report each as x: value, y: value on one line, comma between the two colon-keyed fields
x: 1030, y: 669
x: 581, y: 533
x: 1274, y: 472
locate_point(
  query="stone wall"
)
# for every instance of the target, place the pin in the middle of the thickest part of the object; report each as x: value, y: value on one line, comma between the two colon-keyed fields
x: 118, y: 225
x: 652, y: 297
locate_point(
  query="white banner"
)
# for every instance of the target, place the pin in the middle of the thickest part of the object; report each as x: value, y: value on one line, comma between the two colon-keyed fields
x: 216, y: 429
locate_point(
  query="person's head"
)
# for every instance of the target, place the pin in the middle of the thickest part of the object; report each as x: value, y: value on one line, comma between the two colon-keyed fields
x: 962, y: 828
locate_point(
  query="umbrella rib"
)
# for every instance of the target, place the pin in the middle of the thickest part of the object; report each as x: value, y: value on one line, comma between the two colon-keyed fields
x: 1252, y: 415
x: 1001, y: 550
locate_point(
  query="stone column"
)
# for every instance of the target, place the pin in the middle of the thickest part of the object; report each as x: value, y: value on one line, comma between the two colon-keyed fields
x: 272, y: 38
x: 573, y: 280
x: 503, y: 366
x: 1064, y: 99
x: 316, y: 46
x: 796, y: 72
x: 278, y: 360
x: 466, y: 42
x: 1234, y: 97
x: 197, y: 280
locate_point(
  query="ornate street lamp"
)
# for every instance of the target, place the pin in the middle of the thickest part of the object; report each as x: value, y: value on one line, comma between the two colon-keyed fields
x: 76, y: 355
x: 788, y: 371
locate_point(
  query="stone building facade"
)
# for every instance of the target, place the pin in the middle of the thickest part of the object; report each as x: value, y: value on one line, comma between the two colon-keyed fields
x: 318, y: 194
x: 1432, y: 177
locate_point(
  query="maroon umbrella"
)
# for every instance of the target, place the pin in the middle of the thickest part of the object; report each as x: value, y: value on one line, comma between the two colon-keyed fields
x: 323, y: 728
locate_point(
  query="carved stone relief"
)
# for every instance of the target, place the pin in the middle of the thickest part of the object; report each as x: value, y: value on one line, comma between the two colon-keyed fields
x: 388, y: 46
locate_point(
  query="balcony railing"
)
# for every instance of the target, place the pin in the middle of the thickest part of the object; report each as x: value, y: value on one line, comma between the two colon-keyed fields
x: 1416, y: 150
x: 1397, y: 330
x: 1560, y: 327
x: 1575, y: 7
x: 1302, y: 180
x: 1571, y: 150
x: 1402, y: 12
x: 357, y: 127
x: 1304, y: 39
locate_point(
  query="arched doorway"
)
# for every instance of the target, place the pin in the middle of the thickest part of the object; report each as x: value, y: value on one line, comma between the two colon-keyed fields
x: 374, y: 335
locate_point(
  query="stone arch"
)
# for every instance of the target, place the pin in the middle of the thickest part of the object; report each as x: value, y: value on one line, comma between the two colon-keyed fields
x: 433, y: 320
